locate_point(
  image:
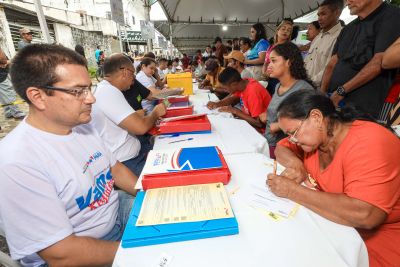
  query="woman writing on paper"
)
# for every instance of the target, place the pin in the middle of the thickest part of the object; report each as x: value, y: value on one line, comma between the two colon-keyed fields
x: 352, y: 165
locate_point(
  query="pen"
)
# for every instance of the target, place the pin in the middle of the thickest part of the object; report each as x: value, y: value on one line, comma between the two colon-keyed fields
x: 208, y: 96
x: 168, y: 136
x: 177, y: 141
x: 275, y: 166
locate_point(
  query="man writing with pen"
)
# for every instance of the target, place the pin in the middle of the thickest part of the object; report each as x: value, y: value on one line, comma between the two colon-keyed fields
x: 251, y: 95
x: 211, y: 81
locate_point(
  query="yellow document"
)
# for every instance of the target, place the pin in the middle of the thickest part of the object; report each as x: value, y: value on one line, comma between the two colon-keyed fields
x: 180, y: 204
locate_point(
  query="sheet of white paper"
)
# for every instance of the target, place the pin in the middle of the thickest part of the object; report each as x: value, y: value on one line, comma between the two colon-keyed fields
x: 262, y: 197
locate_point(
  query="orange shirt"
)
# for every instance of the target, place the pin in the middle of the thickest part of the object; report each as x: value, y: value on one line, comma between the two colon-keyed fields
x: 214, y: 80
x: 366, y: 166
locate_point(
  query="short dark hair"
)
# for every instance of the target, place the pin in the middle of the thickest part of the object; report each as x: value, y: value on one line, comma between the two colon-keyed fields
x: 229, y: 75
x: 145, y: 62
x: 150, y: 55
x: 163, y: 59
x: 260, y: 32
x: 217, y: 39
x: 80, y: 50
x: 113, y: 63
x: 245, y: 40
x: 35, y: 66
x: 315, y: 23
x: 333, y: 4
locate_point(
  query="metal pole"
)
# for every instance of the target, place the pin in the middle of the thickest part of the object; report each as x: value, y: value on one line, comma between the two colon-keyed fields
x: 147, y: 18
x: 42, y: 21
x: 120, y: 39
x: 170, y: 40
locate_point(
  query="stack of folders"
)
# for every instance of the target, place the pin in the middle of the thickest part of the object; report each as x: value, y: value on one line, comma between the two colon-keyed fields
x: 184, y: 166
x: 196, y: 123
x: 178, y: 106
x: 180, y: 213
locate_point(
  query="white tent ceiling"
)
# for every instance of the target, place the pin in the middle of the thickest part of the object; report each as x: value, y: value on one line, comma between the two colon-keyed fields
x: 196, y: 23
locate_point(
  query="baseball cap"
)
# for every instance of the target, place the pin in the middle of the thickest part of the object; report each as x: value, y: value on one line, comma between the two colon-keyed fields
x: 211, y: 64
x: 24, y: 30
x: 237, y: 55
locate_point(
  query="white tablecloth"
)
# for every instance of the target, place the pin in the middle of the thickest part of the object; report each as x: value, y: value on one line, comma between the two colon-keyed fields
x: 232, y: 136
x: 304, y: 240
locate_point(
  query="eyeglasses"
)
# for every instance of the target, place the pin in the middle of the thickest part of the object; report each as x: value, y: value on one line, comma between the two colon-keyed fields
x: 292, y: 137
x: 80, y: 93
x: 131, y: 71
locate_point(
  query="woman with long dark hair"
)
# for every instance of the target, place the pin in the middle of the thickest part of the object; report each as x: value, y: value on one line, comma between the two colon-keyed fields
x: 351, y: 167
x: 256, y: 56
x: 287, y: 67
x: 283, y: 35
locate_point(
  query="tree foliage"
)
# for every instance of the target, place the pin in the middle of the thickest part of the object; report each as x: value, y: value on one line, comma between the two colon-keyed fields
x: 395, y: 2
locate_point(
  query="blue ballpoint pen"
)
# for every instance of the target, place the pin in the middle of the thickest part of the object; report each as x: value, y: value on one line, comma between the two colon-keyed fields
x: 169, y: 136
x: 177, y: 141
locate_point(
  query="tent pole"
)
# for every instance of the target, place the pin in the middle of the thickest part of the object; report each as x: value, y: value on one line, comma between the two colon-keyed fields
x: 147, y: 18
x: 42, y: 21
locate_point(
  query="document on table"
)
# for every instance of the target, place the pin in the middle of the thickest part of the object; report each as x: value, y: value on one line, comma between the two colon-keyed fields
x: 181, y: 204
x: 262, y: 197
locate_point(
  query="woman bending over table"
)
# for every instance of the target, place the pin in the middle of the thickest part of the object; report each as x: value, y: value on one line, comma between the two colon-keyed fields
x: 351, y: 166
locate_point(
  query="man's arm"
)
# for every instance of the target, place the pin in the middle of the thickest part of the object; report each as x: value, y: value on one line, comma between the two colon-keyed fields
x: 326, y: 78
x: 230, y: 100
x: 391, y: 57
x: 124, y: 178
x: 80, y: 251
x: 255, y: 122
x: 366, y: 74
x: 137, y: 125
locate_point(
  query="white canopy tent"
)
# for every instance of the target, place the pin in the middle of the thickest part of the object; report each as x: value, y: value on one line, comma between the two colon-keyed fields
x: 196, y: 23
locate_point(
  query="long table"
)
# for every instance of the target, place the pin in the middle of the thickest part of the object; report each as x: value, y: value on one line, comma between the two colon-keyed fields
x: 306, y: 239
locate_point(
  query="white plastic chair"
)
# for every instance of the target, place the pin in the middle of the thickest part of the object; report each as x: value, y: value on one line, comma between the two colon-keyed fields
x: 6, y: 259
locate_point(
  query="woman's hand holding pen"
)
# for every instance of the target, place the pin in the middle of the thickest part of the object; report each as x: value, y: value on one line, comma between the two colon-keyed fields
x: 297, y: 174
x: 280, y: 185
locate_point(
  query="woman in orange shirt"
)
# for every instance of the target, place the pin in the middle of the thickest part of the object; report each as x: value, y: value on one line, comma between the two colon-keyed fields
x: 352, y: 165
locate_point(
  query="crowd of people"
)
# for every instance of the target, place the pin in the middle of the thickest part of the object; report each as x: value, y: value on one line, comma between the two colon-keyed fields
x: 67, y: 171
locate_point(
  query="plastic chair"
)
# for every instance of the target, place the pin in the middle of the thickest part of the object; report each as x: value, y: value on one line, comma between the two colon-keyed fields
x: 6, y: 259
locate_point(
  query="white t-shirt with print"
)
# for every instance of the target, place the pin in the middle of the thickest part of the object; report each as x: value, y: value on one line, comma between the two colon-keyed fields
x: 147, y: 82
x: 53, y: 186
x: 110, y: 109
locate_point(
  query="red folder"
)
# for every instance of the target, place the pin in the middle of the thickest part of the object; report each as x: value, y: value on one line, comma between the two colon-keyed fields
x: 177, y: 99
x: 179, y: 107
x: 168, y: 179
x: 175, y: 112
x: 185, y: 124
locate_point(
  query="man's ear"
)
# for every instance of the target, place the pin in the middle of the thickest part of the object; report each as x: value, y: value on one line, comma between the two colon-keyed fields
x: 37, y: 97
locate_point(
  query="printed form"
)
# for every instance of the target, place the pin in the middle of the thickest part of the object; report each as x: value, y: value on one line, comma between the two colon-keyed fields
x: 181, y: 204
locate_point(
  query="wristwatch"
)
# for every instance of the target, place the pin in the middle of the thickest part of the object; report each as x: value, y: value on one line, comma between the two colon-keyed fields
x: 340, y: 91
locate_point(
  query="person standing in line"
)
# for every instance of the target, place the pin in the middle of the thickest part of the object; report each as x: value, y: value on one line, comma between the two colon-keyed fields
x: 26, y: 36
x: 321, y: 48
x: 7, y: 92
x: 354, y: 75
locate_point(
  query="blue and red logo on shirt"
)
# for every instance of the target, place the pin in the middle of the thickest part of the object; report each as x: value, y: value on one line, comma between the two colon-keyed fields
x: 91, y: 159
x: 99, y: 193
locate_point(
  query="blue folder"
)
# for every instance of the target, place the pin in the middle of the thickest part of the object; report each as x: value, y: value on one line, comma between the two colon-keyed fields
x: 137, y: 236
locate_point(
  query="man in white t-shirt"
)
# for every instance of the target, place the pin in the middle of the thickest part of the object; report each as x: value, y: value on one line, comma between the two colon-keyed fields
x: 58, y: 205
x: 116, y: 121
